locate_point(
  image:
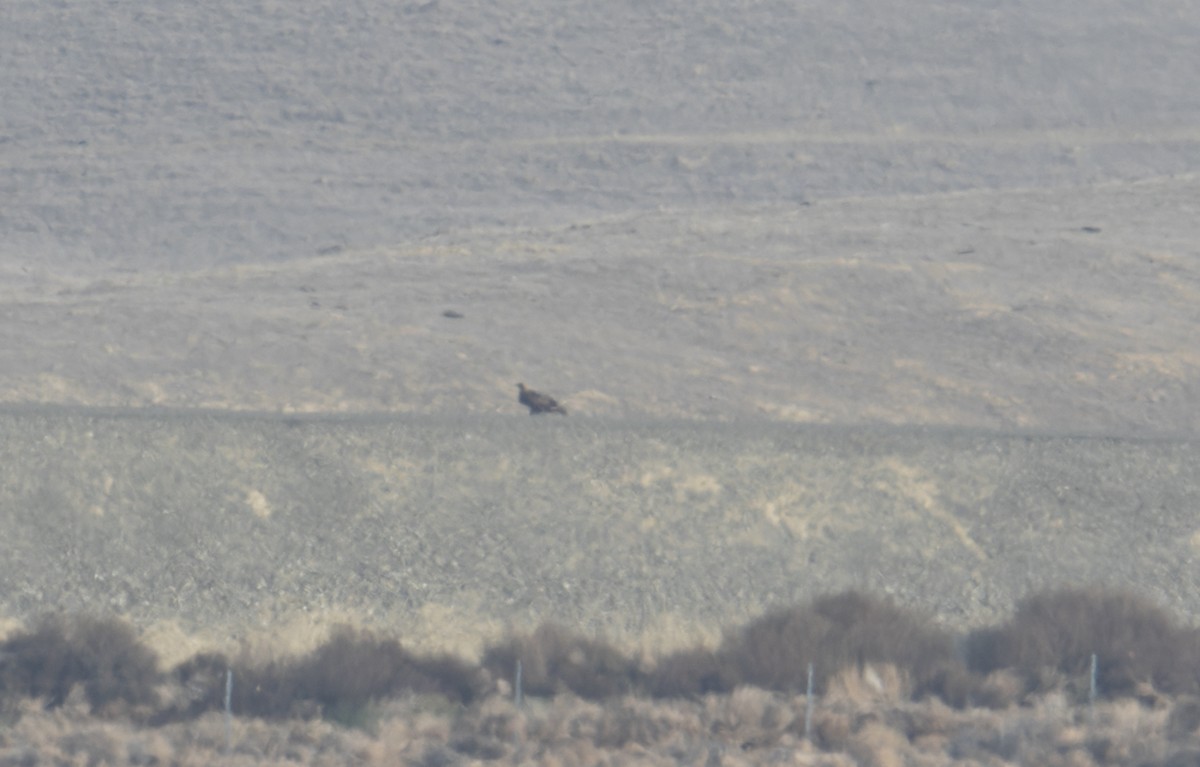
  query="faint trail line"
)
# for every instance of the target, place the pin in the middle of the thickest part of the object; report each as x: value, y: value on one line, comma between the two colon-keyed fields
x: 896, y: 136
x: 923, y: 491
x: 349, y: 141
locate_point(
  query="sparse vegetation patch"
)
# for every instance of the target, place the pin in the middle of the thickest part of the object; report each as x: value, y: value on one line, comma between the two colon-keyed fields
x: 890, y: 686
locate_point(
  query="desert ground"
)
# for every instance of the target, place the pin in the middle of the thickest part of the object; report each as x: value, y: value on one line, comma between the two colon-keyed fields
x: 898, y: 296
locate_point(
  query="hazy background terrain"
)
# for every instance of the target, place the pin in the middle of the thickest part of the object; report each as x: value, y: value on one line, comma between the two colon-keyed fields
x: 913, y: 284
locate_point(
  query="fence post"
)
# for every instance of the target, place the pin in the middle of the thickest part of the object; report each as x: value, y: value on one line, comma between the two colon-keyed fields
x: 1092, y: 693
x: 517, y: 686
x: 808, y: 706
x: 228, y: 711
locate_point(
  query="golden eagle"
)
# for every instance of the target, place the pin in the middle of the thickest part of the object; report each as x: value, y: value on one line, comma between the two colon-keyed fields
x: 539, y: 403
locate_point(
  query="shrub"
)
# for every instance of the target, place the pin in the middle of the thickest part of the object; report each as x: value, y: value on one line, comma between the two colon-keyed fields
x: 555, y: 660
x: 1058, y: 631
x: 199, y: 683
x: 848, y: 629
x: 355, y: 667
x: 692, y: 673
x: 102, y: 655
x: 340, y: 678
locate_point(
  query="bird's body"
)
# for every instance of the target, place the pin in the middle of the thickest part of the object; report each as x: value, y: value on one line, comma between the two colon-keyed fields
x: 538, y: 403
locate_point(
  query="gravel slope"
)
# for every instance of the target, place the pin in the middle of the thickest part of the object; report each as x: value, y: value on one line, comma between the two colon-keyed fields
x: 444, y: 531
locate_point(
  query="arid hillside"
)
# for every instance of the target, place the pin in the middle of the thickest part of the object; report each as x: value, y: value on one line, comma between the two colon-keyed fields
x: 891, y: 295
x: 446, y: 531
x: 874, y: 295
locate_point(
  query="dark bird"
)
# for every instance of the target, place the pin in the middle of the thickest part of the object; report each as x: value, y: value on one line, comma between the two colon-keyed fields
x: 539, y: 403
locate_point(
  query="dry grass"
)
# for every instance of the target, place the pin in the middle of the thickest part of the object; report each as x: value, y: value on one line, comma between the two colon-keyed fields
x: 748, y: 727
x: 86, y: 691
